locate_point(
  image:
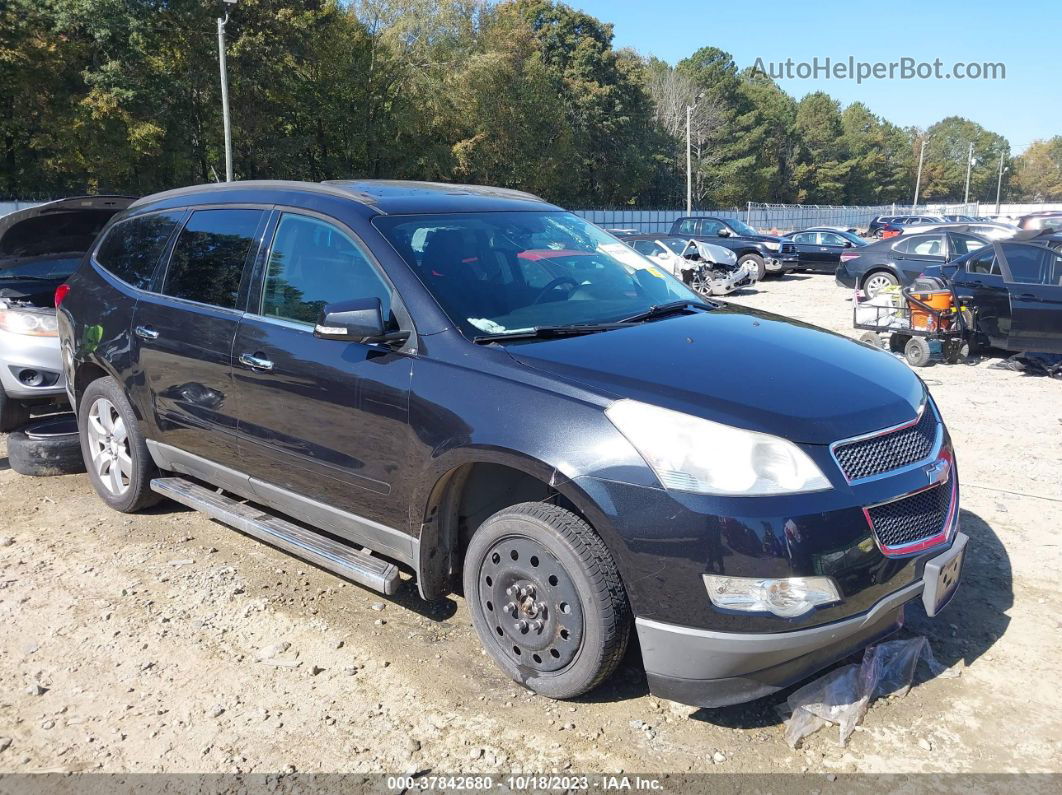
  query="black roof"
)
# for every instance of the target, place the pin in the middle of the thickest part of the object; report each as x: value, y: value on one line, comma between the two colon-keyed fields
x: 378, y: 197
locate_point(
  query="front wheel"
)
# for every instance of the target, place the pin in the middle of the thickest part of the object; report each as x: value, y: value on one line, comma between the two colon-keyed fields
x: 878, y: 281
x: 546, y: 599
x: 757, y: 261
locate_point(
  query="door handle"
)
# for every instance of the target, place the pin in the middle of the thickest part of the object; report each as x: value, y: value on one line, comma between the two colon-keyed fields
x: 147, y: 333
x: 255, y: 362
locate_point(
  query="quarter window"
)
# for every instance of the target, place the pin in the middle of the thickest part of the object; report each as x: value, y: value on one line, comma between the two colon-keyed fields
x: 209, y: 256
x: 132, y: 248
x: 313, y: 263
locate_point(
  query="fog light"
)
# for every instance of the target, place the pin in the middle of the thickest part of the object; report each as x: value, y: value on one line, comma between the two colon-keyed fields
x: 31, y: 377
x: 786, y: 597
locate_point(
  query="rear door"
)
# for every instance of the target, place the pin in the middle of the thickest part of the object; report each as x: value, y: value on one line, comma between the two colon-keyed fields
x: 979, y: 287
x: 183, y: 332
x: 807, y: 246
x: 917, y: 253
x: 1033, y: 276
x: 326, y: 420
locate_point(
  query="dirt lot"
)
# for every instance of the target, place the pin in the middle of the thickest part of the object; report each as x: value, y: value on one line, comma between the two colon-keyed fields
x: 167, y: 642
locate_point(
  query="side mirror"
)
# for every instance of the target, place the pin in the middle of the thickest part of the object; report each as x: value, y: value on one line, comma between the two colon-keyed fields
x: 359, y: 320
x: 848, y: 244
x: 723, y: 232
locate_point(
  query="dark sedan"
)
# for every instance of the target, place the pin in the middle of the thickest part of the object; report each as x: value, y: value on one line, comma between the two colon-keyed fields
x: 819, y: 249
x: 900, y: 260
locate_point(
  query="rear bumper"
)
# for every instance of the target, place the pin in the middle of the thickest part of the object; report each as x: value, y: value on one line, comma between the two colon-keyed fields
x: 844, y: 279
x: 714, y: 669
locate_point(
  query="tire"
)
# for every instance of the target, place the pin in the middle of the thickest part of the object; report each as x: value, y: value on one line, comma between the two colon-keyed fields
x: 13, y: 414
x: 46, y: 447
x: 876, y: 281
x: 567, y: 630
x: 757, y: 260
x: 111, y: 435
x: 871, y: 338
x: 898, y: 342
x: 916, y: 351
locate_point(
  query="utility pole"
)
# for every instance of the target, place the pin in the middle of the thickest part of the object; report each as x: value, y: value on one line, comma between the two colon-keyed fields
x: 689, y: 162
x: 969, y: 168
x: 918, y: 180
x: 225, y: 92
x: 999, y: 183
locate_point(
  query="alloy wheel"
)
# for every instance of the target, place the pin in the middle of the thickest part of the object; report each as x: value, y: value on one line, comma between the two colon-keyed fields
x: 108, y: 443
x: 531, y: 604
x: 876, y: 283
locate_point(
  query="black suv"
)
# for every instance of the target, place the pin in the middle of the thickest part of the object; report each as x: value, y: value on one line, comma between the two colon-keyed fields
x: 476, y: 388
x: 770, y: 254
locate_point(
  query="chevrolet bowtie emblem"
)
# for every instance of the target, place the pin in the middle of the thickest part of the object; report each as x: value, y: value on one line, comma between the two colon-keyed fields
x: 938, y: 471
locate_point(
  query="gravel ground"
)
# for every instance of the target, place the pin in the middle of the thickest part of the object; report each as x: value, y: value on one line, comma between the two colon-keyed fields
x: 168, y: 642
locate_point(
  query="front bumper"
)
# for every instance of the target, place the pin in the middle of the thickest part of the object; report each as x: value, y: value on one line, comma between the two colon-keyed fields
x: 781, y: 262
x: 714, y: 669
x: 22, y: 352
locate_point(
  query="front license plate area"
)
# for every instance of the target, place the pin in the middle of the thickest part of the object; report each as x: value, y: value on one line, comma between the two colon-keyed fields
x: 942, y: 575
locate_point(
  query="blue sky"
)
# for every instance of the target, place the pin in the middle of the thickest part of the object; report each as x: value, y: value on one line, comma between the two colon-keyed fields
x: 1022, y: 34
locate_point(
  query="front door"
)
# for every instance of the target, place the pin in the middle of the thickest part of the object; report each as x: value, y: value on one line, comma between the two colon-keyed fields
x: 325, y: 420
x: 183, y: 334
x: 1034, y: 278
x: 809, y: 252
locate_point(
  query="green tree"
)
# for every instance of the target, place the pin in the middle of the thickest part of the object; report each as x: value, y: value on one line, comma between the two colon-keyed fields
x: 1038, y: 172
x: 823, y: 168
x: 947, y: 149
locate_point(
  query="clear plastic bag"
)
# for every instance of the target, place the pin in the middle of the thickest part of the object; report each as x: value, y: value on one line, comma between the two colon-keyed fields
x: 843, y: 695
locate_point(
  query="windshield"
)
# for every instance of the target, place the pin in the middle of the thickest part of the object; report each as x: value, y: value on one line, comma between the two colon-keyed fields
x: 676, y: 244
x: 740, y: 227
x: 511, y: 272
x: 58, y: 268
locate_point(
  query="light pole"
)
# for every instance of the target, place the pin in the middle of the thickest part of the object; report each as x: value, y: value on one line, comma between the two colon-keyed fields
x: 225, y: 91
x: 918, y: 180
x: 689, y: 155
x: 999, y: 183
x: 969, y: 168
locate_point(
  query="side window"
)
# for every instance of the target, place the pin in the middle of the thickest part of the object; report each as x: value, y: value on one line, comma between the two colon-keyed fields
x: 710, y: 228
x: 313, y: 263
x: 963, y: 244
x: 688, y: 226
x: 209, y: 256
x: 1025, y: 263
x: 646, y: 247
x: 928, y: 247
x: 983, y: 262
x: 1054, y: 268
x: 804, y: 237
x: 132, y: 248
x: 830, y: 239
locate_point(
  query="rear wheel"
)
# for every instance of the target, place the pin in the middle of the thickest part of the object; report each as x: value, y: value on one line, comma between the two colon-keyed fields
x: 877, y: 281
x: 115, y: 453
x: 757, y: 261
x: 546, y: 599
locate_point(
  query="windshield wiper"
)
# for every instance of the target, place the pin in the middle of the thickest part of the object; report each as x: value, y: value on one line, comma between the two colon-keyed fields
x: 663, y: 310
x: 548, y: 332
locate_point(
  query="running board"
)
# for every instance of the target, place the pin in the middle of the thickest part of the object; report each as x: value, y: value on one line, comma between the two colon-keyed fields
x: 342, y: 559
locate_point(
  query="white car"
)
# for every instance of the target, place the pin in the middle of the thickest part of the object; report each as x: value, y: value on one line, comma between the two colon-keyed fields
x: 707, y: 268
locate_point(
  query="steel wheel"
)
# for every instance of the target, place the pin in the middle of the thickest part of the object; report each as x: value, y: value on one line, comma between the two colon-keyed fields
x: 877, y: 282
x: 532, y: 605
x: 108, y: 441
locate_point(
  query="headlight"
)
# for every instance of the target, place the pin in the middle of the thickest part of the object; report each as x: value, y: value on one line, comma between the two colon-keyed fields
x: 35, y: 324
x: 772, y: 246
x: 691, y: 454
x: 787, y: 597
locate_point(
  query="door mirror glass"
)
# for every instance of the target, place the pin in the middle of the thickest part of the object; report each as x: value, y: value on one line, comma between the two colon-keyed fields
x: 723, y: 232
x: 360, y: 320
x: 848, y: 244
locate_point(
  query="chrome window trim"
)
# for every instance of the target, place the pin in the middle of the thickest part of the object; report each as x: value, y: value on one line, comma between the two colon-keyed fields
x: 934, y: 453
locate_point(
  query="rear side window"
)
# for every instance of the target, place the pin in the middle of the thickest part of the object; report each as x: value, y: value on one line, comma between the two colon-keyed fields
x: 132, y: 248
x: 983, y: 262
x: 1026, y: 263
x: 312, y: 264
x: 209, y: 256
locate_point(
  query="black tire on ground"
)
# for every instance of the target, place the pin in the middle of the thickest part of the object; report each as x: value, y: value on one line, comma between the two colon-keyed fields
x: 917, y: 352
x: 46, y: 447
x: 871, y: 338
x: 546, y: 599
x: 955, y: 351
x: 757, y: 260
x: 12, y: 413
x: 133, y: 491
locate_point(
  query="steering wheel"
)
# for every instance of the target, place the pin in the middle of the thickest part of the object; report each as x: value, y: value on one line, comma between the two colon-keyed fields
x: 553, y: 285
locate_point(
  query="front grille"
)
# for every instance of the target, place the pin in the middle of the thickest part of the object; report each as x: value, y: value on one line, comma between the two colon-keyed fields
x: 878, y: 454
x: 911, y: 519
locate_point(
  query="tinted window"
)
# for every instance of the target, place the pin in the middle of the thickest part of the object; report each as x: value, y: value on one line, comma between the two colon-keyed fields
x: 688, y: 227
x: 830, y: 239
x: 1054, y: 268
x: 313, y: 263
x: 983, y: 262
x: 209, y: 256
x: 646, y: 247
x: 1025, y: 263
x: 804, y: 237
x: 132, y: 248
x: 709, y: 228
x: 964, y: 244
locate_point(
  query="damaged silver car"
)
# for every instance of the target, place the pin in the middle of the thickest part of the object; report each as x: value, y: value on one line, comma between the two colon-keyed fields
x: 705, y: 267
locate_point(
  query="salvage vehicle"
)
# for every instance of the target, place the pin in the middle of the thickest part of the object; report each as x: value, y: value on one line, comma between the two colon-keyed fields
x: 900, y: 260
x: 1011, y: 293
x: 770, y: 255
x: 705, y: 268
x: 357, y: 373
x: 819, y: 249
x: 39, y: 248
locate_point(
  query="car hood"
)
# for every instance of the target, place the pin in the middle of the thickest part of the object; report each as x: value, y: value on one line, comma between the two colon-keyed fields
x: 742, y: 367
